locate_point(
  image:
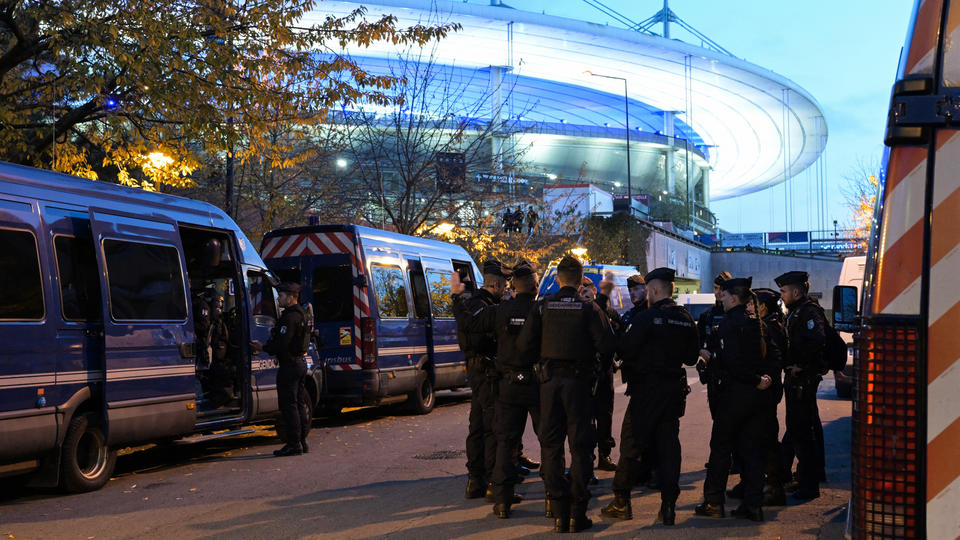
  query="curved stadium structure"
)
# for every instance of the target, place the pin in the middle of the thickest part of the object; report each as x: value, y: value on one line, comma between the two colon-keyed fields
x: 726, y: 126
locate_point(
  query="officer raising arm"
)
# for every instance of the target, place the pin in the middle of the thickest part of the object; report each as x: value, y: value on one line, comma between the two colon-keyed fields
x: 569, y: 333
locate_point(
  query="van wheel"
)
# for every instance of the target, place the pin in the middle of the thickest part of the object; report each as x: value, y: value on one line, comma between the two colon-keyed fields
x: 87, y: 462
x: 423, y: 398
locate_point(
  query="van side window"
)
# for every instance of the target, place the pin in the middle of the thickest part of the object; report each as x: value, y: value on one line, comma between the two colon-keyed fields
x: 263, y: 303
x: 333, y: 294
x: 145, y: 281
x: 79, y: 280
x: 421, y: 302
x: 439, y: 285
x: 390, y: 290
x: 21, y: 289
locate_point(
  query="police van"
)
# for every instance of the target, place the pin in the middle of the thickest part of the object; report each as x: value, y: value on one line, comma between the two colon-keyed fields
x: 382, y: 309
x: 125, y: 317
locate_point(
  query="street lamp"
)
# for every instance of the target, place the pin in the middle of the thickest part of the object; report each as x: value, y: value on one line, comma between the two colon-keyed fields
x: 626, y: 108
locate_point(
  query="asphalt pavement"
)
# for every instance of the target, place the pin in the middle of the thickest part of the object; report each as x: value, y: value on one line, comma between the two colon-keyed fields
x: 380, y: 473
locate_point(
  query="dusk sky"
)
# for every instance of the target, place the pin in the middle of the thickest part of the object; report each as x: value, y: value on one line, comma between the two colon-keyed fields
x: 843, y: 53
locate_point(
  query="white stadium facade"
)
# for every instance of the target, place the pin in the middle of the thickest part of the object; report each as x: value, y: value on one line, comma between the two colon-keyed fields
x: 728, y: 127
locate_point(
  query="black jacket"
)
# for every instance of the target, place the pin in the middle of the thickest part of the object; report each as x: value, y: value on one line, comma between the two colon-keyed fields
x: 564, y: 327
x: 286, y: 337
x: 741, y: 356
x: 807, y: 337
x: 505, y: 320
x: 658, y: 342
x: 477, y: 344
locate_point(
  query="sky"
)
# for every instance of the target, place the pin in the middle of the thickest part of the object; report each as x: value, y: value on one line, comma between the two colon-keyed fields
x: 844, y: 53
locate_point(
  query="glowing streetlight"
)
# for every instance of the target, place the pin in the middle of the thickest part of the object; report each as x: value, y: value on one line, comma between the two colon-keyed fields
x: 579, y: 252
x: 341, y: 163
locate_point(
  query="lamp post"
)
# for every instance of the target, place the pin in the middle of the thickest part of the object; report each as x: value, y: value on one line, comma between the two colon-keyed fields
x: 626, y: 110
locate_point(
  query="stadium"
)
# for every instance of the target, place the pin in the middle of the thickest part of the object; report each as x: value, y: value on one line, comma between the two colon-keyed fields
x: 626, y: 110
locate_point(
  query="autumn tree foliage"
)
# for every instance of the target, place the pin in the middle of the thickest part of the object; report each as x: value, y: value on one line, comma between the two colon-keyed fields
x: 95, y: 87
x: 860, y: 197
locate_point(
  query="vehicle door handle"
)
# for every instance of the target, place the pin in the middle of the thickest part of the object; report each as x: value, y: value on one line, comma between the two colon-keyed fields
x: 187, y: 350
x: 91, y: 332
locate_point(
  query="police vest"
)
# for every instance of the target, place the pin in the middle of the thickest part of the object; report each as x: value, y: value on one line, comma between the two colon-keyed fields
x: 565, y: 334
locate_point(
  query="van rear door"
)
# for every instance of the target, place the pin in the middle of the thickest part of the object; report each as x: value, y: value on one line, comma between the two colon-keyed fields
x: 148, y: 330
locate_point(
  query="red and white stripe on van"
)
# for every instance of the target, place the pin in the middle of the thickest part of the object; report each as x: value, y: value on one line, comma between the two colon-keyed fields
x: 328, y: 243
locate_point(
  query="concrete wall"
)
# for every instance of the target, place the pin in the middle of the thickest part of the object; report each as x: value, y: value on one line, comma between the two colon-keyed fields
x: 824, y: 274
x: 688, y: 260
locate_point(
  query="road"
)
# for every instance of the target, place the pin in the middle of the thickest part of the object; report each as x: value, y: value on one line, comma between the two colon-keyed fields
x: 375, y: 473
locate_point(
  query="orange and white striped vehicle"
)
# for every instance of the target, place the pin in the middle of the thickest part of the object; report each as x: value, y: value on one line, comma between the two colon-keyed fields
x: 382, y: 310
x: 906, y: 410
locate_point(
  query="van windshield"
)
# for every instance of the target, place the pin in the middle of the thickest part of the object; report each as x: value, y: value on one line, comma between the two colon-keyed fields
x: 332, y: 294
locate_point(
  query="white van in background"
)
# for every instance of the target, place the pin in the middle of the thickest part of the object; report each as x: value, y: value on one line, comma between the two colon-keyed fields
x: 850, y: 274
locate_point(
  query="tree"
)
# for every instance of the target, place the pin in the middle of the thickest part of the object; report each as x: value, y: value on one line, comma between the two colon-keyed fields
x: 860, y: 196
x: 94, y: 87
x: 617, y: 239
x: 422, y: 161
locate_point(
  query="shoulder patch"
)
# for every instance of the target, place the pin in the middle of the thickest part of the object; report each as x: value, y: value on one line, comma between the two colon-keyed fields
x: 283, y: 329
x: 810, y: 324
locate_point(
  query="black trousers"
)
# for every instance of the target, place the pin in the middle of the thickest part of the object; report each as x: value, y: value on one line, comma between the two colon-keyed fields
x: 804, y: 435
x: 481, y: 439
x: 603, y: 407
x: 290, y: 386
x: 514, y: 402
x: 737, y: 427
x: 566, y: 413
x: 651, y: 427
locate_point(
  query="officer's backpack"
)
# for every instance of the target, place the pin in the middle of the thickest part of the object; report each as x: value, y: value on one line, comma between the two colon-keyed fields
x: 834, y: 350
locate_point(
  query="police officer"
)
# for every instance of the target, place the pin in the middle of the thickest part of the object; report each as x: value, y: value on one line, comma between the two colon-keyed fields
x: 518, y: 393
x: 804, y: 364
x: 569, y: 333
x: 287, y: 343
x: 479, y: 348
x: 603, y: 394
x: 655, y: 347
x: 637, y: 288
x: 738, y: 414
x: 707, y: 325
x: 777, y: 347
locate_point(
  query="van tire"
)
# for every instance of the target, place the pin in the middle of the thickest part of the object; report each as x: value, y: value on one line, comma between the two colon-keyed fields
x: 86, y: 462
x: 424, y: 398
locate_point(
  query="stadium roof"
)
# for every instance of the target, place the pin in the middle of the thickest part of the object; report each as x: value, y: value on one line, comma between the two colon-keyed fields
x: 760, y: 127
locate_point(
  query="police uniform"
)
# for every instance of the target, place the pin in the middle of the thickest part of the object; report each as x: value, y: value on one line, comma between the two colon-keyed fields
x: 633, y: 281
x: 480, y: 348
x: 603, y: 397
x: 568, y: 333
x: 286, y: 343
x: 776, y: 339
x: 518, y: 393
x: 707, y: 325
x: 739, y: 416
x: 807, y: 338
x: 654, y: 349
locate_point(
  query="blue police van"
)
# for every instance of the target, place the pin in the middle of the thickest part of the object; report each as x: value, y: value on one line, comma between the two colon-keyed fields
x: 382, y: 311
x: 125, y: 317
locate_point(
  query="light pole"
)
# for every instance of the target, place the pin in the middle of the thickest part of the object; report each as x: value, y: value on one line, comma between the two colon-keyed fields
x: 626, y: 110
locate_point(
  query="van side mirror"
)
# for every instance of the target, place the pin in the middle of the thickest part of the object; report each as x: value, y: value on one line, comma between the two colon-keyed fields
x: 845, y: 316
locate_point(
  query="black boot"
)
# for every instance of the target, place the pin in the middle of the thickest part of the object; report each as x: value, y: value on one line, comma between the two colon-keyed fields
x: 580, y: 522
x: 562, y: 523
x: 529, y: 463
x: 709, y: 510
x: 775, y: 496
x: 604, y: 463
x: 288, y: 450
x: 753, y: 513
x: 501, y: 510
x: 668, y: 513
x: 736, y: 492
x: 475, y: 487
x: 488, y: 495
x: 619, y: 507
x: 594, y: 480
x: 303, y: 446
